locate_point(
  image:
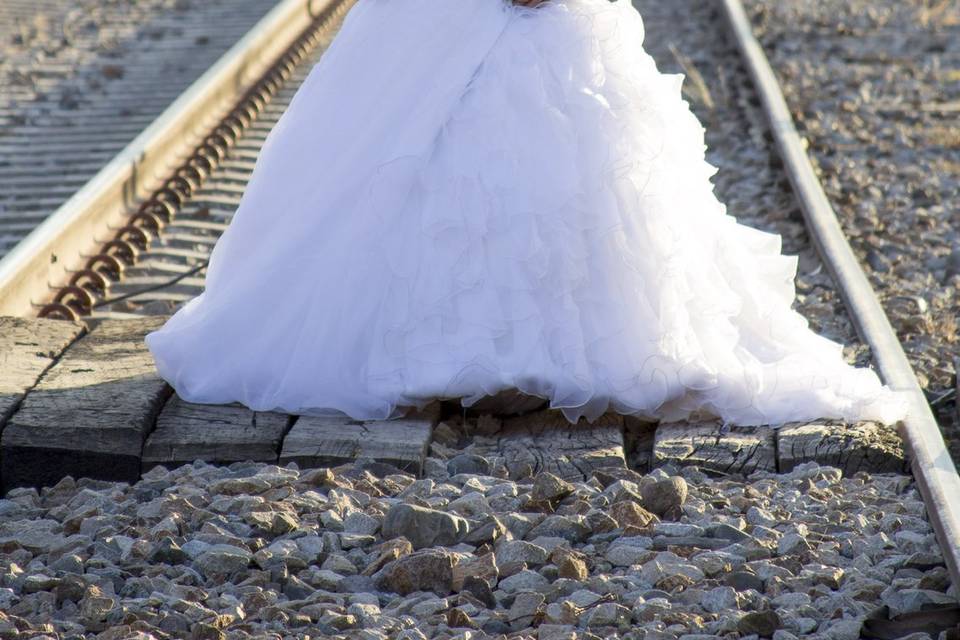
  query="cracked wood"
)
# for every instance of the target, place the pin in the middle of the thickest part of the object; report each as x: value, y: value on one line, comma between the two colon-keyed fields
x: 864, y: 446
x: 27, y: 348
x: 188, y: 431
x: 324, y: 441
x: 547, y: 441
x: 91, y: 411
x: 705, y: 444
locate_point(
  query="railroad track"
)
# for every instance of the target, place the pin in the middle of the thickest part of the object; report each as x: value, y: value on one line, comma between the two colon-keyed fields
x: 133, y: 243
x: 74, y: 96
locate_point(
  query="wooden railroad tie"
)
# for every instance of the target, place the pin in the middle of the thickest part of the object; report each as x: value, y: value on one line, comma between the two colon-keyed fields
x: 547, y: 441
x: 187, y: 431
x: 90, y: 412
x: 92, y: 404
x: 318, y: 441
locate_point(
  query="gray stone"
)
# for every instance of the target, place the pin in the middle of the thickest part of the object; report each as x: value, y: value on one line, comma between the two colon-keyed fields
x: 520, y: 524
x: 584, y: 597
x: 429, y: 607
x: 355, y: 540
x: 664, y: 496
x: 831, y: 577
x: 844, y: 630
x: 468, y: 463
x: 909, y: 600
x: 424, y: 570
x: 296, y: 589
x: 193, y: 548
x: 743, y: 580
x: 677, y: 529
x: 168, y: 552
x: 10, y: 508
x: 356, y: 584
x: 221, y: 560
x: 517, y: 551
x: 68, y: 563
x: 359, y: 522
x: 310, y: 546
x: 38, y: 582
x: 556, y: 632
x: 607, y: 614
x: 757, y: 516
x: 792, y: 542
x: 762, y: 623
x: 424, y: 527
x: 523, y: 609
x: 720, y: 599
x: 526, y: 580
x: 480, y: 589
x: 629, y: 551
x: 36, y: 536
x: 470, y: 504
x: 548, y: 487
x: 339, y: 563
x: 571, y: 528
x: 667, y: 565
x: 726, y: 532
x: 325, y: 579
x: 791, y: 600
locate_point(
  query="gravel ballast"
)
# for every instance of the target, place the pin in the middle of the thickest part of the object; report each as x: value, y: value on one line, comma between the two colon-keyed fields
x: 260, y: 551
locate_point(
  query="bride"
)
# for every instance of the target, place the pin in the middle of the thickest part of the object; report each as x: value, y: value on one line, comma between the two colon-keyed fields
x: 470, y: 196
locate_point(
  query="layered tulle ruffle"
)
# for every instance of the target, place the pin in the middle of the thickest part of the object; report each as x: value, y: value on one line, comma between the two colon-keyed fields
x: 545, y: 222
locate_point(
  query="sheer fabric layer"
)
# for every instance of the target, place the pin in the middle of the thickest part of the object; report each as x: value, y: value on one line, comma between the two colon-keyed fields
x: 467, y: 197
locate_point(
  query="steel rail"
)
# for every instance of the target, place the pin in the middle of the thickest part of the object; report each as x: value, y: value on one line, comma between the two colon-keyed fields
x: 45, y: 258
x: 933, y: 470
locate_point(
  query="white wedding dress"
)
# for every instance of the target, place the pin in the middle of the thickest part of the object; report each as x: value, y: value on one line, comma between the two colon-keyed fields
x: 467, y: 196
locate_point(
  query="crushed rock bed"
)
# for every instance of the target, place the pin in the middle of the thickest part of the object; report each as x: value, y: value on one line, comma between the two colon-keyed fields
x: 365, y: 551
x: 874, y: 86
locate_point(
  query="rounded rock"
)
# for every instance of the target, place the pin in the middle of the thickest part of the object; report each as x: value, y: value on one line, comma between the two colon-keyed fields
x: 664, y: 496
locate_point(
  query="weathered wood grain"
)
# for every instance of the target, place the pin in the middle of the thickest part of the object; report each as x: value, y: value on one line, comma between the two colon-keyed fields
x: 187, y: 431
x: 706, y: 444
x: 315, y: 441
x: 547, y: 441
x: 28, y: 346
x: 91, y: 411
x: 863, y: 446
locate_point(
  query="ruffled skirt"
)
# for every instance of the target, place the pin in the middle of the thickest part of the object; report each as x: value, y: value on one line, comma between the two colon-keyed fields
x: 466, y: 197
